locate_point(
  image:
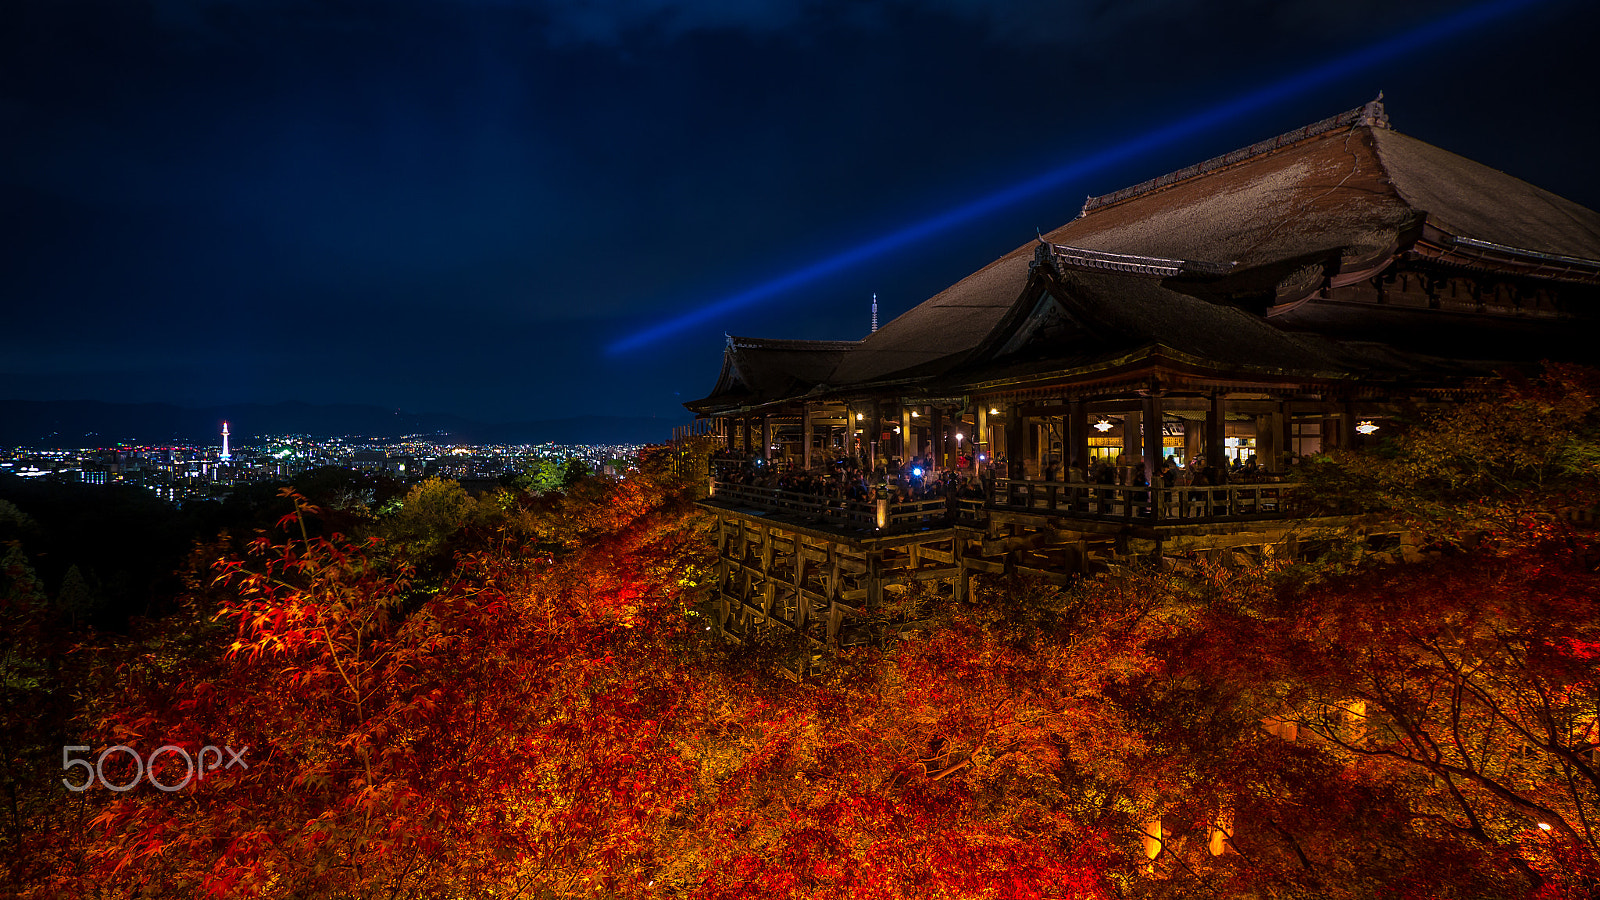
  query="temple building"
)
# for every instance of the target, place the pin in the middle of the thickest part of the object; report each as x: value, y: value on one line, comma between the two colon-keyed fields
x: 1313, y: 291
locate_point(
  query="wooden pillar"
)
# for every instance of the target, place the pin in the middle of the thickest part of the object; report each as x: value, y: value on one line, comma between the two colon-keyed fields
x: 936, y: 437
x: 907, y: 439
x: 1194, y: 440
x: 1286, y: 439
x: 958, y: 553
x: 952, y: 424
x: 1347, y: 427
x: 1078, y: 435
x: 1217, y: 432
x: 802, y: 605
x: 744, y: 428
x: 1031, y: 428
x: 1269, y: 434
x: 805, y: 435
x: 876, y: 436
x: 1041, y: 450
x: 1132, y: 438
x: 874, y: 581
x: 980, y: 435
x: 727, y: 434
x: 969, y: 440
x: 766, y: 437
x: 1153, y: 441
x: 1014, y: 449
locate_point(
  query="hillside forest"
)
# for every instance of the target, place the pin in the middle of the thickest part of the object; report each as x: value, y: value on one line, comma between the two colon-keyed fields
x: 342, y: 693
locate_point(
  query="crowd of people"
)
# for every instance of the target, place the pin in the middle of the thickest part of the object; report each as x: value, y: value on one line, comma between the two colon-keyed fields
x: 919, y: 479
x: 1171, y: 473
x: 844, y: 478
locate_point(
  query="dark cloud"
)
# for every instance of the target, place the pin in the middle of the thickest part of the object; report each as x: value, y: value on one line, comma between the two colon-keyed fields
x: 1084, y: 25
x: 1092, y: 26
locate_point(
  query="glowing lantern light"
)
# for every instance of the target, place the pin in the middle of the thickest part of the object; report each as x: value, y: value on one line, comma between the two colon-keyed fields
x: 1152, y: 838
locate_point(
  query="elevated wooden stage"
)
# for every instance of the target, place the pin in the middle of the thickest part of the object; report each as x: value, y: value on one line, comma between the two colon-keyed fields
x: 815, y: 574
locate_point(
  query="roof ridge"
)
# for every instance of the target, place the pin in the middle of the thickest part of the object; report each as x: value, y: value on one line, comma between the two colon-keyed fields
x: 1371, y: 114
x: 753, y: 343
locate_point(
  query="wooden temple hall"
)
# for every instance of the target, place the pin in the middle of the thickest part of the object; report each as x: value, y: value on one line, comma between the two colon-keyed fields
x: 1317, y: 290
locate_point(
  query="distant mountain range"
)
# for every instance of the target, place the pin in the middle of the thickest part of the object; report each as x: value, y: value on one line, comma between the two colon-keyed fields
x: 90, y: 423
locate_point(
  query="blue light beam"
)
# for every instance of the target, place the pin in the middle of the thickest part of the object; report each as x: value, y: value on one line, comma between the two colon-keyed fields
x: 1410, y: 41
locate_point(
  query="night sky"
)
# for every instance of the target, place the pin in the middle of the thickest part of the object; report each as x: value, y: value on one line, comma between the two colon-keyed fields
x: 465, y: 206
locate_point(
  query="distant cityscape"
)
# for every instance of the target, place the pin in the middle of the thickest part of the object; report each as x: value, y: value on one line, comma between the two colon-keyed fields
x: 184, y: 472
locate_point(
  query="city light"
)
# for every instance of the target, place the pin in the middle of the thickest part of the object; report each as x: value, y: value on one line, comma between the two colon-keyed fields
x: 182, y: 473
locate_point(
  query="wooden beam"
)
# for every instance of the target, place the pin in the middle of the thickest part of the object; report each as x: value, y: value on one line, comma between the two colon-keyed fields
x: 989, y: 566
x: 926, y: 574
x: 1056, y: 578
x: 807, y: 433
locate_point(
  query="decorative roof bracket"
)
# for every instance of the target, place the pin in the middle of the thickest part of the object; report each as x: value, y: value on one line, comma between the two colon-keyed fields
x: 1058, y: 257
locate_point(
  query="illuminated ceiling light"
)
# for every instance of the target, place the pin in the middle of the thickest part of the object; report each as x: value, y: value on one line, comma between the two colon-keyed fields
x: 993, y: 411
x: 1103, y: 426
x: 914, y: 414
x: 1365, y: 426
x: 858, y: 417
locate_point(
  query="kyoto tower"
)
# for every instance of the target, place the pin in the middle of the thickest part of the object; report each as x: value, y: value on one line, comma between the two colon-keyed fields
x: 225, y: 454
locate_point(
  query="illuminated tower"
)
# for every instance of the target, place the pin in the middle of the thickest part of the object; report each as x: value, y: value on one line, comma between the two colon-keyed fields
x: 874, y: 312
x: 225, y: 454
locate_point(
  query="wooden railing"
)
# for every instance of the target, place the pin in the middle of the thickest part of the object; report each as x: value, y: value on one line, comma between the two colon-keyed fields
x: 855, y: 514
x: 1164, y: 505
x: 1161, y: 504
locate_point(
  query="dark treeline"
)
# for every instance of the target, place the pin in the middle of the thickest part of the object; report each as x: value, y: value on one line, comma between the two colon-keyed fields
x: 108, y: 553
